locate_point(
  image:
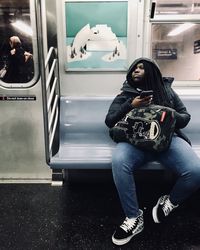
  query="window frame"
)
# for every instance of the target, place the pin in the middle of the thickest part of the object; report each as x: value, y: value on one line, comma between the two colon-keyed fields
x: 32, y: 6
x: 175, y: 19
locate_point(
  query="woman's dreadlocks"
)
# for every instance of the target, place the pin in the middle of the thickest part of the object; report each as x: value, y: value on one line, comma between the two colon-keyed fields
x: 153, y: 81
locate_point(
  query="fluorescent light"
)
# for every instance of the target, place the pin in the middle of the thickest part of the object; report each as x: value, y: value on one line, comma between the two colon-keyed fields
x: 168, y: 12
x: 180, y: 28
x: 192, y: 8
x: 23, y: 27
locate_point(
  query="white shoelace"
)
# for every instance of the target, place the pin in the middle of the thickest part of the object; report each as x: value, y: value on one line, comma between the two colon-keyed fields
x: 168, y: 206
x: 128, y: 224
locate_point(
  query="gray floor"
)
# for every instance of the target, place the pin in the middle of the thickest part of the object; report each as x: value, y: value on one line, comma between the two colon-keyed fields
x: 83, y: 215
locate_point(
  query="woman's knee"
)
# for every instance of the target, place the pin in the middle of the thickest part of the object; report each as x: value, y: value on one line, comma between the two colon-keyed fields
x: 118, y: 159
x: 122, y: 160
x: 120, y: 154
x: 119, y: 162
x: 127, y: 158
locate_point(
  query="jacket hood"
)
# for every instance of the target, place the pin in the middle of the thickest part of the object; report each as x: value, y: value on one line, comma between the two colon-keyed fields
x: 130, y: 86
x: 133, y: 65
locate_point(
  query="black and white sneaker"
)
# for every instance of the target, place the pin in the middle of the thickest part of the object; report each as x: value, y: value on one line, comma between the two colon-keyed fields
x: 162, y: 209
x: 128, y: 229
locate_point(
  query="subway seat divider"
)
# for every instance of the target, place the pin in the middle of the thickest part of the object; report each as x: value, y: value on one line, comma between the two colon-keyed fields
x: 84, y: 137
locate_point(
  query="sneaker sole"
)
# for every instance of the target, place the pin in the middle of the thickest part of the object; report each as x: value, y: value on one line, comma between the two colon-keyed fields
x: 154, y: 212
x: 126, y: 240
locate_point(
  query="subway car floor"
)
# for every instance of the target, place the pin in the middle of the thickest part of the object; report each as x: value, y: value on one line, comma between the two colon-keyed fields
x: 83, y: 215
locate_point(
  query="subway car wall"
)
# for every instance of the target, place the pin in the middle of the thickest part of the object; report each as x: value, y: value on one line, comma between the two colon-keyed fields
x: 146, y: 36
x: 54, y: 23
x: 22, y: 150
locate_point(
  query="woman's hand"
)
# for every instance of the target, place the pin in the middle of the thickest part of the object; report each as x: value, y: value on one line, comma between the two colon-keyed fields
x: 13, y: 51
x: 139, y: 102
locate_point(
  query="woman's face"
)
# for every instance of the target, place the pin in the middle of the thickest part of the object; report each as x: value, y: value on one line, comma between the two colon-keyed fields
x: 14, y: 41
x: 11, y: 43
x: 138, y: 73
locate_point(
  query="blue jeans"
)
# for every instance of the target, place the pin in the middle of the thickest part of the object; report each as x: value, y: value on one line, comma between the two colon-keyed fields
x: 180, y: 158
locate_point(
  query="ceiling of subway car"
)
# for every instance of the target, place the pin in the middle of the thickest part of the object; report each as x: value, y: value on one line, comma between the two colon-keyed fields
x: 10, y: 12
x: 177, y: 6
x: 14, y: 3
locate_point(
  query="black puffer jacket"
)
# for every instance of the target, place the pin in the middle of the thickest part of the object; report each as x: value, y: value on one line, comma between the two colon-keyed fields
x: 121, y: 105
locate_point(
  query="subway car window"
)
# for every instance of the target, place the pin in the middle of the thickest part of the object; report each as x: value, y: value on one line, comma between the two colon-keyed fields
x: 175, y: 39
x: 17, y: 49
x: 177, y: 51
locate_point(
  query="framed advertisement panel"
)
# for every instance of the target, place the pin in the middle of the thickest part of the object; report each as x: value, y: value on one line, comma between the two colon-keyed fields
x: 96, y: 35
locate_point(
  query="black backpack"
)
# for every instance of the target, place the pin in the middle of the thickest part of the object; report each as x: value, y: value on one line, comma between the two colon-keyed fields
x: 149, y: 128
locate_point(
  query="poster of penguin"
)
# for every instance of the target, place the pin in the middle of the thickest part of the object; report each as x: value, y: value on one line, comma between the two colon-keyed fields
x: 96, y: 35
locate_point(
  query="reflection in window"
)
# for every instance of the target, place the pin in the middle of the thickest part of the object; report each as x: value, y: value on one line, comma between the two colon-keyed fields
x: 16, y: 50
x: 176, y: 48
x: 177, y: 7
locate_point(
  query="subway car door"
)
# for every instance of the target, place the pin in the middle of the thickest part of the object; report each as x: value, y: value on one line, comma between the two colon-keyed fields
x: 24, y: 53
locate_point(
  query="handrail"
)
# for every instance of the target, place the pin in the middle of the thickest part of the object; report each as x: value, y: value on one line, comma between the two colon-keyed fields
x: 49, y: 78
x: 52, y: 98
x: 53, y: 130
x: 55, y: 105
x: 49, y: 56
x: 49, y: 101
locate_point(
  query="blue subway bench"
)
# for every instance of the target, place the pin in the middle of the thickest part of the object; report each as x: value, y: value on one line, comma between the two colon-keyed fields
x: 84, y: 137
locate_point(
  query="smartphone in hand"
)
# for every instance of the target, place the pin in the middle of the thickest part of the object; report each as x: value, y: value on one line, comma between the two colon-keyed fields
x: 146, y: 93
